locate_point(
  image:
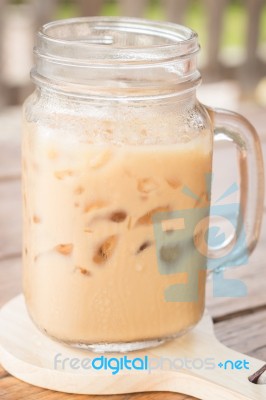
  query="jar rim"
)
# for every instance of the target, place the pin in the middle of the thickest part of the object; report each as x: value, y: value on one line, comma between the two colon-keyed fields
x: 101, y: 38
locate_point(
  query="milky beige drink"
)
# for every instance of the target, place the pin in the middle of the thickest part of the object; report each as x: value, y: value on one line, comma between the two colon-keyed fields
x: 90, y: 270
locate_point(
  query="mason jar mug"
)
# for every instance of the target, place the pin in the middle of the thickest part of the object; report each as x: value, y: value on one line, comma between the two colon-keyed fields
x: 115, y: 249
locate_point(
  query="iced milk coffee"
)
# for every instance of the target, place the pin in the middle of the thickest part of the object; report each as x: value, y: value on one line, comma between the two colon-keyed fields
x: 90, y: 265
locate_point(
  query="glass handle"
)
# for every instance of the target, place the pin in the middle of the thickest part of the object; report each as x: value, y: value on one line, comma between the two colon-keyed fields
x: 229, y: 126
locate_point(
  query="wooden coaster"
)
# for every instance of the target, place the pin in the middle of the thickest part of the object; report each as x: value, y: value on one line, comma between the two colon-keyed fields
x: 195, y: 364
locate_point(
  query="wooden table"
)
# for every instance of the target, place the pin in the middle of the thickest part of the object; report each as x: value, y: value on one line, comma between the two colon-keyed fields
x: 240, y: 323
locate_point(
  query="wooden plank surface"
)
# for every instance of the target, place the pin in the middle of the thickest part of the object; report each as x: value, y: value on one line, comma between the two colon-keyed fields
x: 245, y: 333
x: 10, y: 279
x: 240, y: 323
x: 13, y: 389
x: 253, y: 276
x: 10, y: 217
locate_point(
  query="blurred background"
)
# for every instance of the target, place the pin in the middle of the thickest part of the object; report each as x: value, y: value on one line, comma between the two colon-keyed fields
x: 232, y: 34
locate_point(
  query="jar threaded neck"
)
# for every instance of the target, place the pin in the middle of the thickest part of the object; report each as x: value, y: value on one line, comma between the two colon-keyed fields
x: 117, y: 56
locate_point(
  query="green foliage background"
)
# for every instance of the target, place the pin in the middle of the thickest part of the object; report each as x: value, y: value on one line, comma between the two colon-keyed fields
x: 234, y: 20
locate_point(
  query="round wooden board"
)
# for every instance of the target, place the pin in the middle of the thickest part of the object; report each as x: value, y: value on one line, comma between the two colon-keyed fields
x: 30, y: 356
